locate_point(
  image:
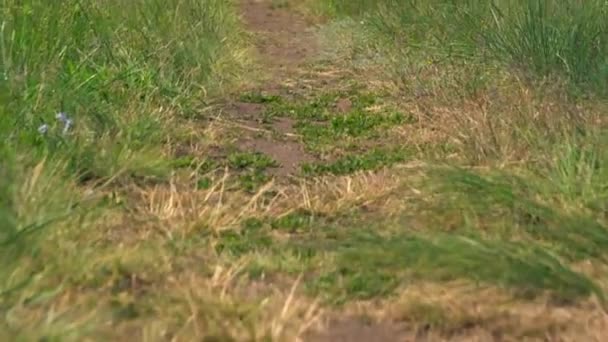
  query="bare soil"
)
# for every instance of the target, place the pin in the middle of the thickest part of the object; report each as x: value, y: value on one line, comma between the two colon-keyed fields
x: 358, y: 330
x: 285, y: 42
x: 284, y: 38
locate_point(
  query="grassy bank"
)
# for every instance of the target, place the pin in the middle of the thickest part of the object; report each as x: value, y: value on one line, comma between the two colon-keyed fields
x: 95, y: 99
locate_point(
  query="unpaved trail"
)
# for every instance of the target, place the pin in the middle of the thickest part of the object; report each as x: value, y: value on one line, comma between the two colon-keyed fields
x: 284, y: 39
x: 284, y: 42
x: 287, y: 46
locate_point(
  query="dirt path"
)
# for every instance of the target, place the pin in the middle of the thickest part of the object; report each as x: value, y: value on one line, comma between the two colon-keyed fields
x: 284, y: 42
x: 284, y: 38
x: 287, y: 47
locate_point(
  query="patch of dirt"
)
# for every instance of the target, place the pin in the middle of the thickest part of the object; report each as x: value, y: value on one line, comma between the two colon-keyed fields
x: 284, y: 41
x: 284, y: 125
x: 289, y: 154
x: 284, y: 37
x: 344, y: 105
x: 359, y: 330
x: 244, y: 110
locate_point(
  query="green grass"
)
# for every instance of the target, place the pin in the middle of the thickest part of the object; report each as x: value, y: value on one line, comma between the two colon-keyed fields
x: 526, y: 206
x: 324, y: 129
x: 119, y: 77
x: 354, y: 124
x: 259, y: 97
x: 112, y: 73
x: 370, y: 160
x: 252, y: 168
x: 241, y: 160
x: 140, y: 221
x: 354, y: 259
x: 364, y: 271
x: 539, y: 37
x: 124, y: 73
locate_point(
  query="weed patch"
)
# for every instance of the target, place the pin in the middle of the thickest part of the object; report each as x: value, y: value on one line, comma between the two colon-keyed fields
x: 358, y: 162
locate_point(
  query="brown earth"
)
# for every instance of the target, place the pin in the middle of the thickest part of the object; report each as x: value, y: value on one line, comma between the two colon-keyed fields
x: 358, y: 330
x: 284, y: 38
x: 285, y: 42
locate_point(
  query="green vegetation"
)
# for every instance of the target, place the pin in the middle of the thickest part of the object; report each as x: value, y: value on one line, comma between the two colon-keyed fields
x: 252, y: 167
x: 544, y: 38
x: 511, y: 74
x: 258, y: 97
x: 324, y: 128
x: 349, y: 164
x: 516, y: 89
x: 91, y: 94
x: 131, y: 208
x: 250, y: 161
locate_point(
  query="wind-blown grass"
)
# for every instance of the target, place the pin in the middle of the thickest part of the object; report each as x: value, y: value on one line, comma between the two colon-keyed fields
x: 90, y: 94
x: 514, y: 85
x: 110, y: 66
x: 543, y: 37
x: 120, y: 71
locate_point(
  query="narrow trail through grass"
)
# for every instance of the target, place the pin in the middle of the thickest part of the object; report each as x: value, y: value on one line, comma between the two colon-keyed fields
x: 319, y: 170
